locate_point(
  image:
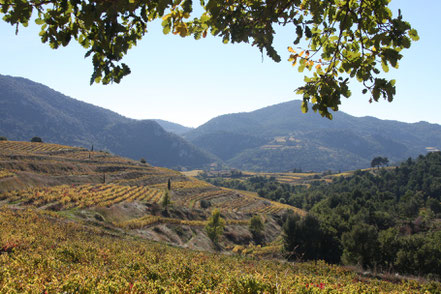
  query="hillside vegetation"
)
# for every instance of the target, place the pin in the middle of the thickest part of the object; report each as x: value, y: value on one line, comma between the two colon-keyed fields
x: 108, y: 190
x: 29, y: 109
x: 73, y: 220
x: 280, y: 138
x: 383, y: 218
x: 73, y: 258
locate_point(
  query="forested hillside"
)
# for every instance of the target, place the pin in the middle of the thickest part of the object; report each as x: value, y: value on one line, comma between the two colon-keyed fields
x: 281, y: 138
x: 173, y: 127
x: 29, y: 109
x: 389, y: 219
x: 384, y: 218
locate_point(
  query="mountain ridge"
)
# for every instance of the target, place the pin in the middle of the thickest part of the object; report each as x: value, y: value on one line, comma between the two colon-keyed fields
x: 173, y: 127
x: 294, y: 140
x: 31, y: 109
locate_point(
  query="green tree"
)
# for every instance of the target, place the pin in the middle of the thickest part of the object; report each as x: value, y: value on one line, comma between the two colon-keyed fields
x: 434, y: 205
x: 165, y: 202
x: 36, y: 139
x: 379, y: 161
x: 389, y: 246
x: 256, y: 227
x: 361, y: 246
x: 345, y: 39
x: 204, y: 203
x: 305, y: 239
x: 3, y: 138
x: 215, y: 226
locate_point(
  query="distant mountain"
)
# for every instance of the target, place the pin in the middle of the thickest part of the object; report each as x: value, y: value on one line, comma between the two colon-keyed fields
x: 173, y: 127
x: 29, y: 109
x: 282, y: 138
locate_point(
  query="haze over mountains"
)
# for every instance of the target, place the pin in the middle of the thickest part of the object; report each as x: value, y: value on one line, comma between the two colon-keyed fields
x: 274, y: 138
x: 29, y: 109
x: 282, y: 138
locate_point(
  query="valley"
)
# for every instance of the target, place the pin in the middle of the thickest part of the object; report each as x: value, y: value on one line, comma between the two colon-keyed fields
x: 78, y: 211
x: 243, y: 147
x: 272, y: 188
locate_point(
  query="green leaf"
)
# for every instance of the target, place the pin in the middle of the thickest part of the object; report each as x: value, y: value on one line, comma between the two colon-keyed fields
x: 413, y: 34
x: 166, y: 29
x: 304, y: 107
x: 385, y: 67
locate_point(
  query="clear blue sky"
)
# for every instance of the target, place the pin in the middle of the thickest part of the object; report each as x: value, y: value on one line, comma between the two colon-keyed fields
x: 189, y: 82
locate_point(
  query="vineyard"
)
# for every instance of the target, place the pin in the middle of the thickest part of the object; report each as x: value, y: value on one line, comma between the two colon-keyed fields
x: 5, y: 174
x: 19, y: 147
x: 72, y: 258
x: 74, y: 220
x: 125, y: 194
x: 89, y: 195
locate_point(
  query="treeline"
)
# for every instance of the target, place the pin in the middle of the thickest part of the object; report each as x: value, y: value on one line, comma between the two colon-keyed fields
x: 267, y: 187
x: 387, y: 219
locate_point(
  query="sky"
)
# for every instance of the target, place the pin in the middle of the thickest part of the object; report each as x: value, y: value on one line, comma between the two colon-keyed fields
x: 190, y: 81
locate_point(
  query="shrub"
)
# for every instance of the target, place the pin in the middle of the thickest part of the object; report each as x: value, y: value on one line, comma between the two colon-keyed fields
x: 205, y: 203
x: 165, y: 200
x: 3, y: 138
x: 37, y: 139
x: 256, y: 228
x: 215, y: 226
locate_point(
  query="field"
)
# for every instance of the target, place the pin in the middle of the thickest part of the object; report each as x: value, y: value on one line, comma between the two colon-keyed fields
x: 292, y: 178
x: 101, y: 188
x: 72, y: 258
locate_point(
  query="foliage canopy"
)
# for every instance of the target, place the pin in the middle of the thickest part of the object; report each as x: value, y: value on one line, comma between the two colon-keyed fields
x: 215, y: 226
x: 343, y: 39
x: 379, y: 161
x: 256, y: 228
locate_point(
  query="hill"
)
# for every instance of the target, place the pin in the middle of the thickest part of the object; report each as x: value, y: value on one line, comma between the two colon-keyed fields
x: 173, y: 127
x: 383, y: 218
x: 29, y: 109
x: 99, y: 213
x: 124, y: 194
x: 83, y: 259
x: 281, y: 138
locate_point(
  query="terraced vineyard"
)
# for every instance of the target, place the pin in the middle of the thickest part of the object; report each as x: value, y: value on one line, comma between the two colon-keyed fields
x: 88, y: 195
x: 19, y: 147
x: 72, y: 258
x: 95, y: 185
x: 5, y: 174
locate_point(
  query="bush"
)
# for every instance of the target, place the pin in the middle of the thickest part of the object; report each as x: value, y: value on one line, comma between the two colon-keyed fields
x: 143, y: 160
x: 2, y: 138
x: 306, y: 239
x: 165, y: 200
x: 37, y: 139
x: 256, y: 228
x: 215, y: 226
x: 205, y: 203
x: 361, y: 246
